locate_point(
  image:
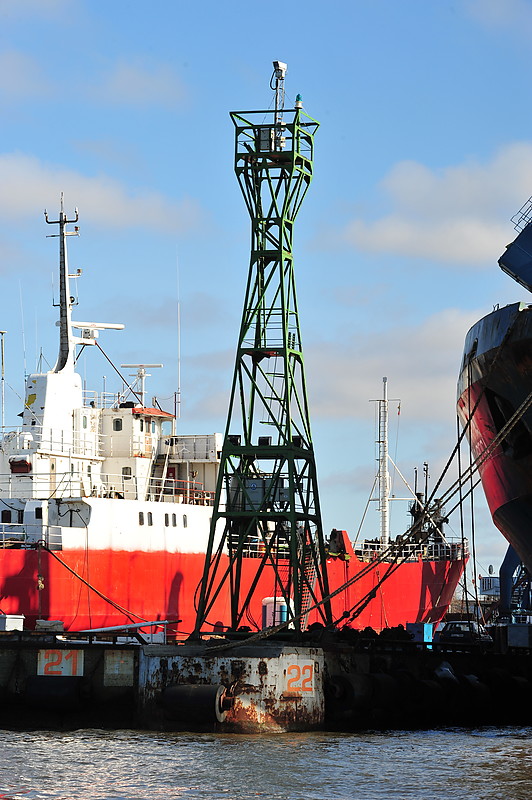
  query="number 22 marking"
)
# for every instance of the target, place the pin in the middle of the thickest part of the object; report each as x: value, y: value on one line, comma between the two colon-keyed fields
x: 305, y: 674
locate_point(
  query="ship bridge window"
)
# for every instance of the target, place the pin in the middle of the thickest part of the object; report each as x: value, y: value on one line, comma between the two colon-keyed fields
x: 153, y: 426
x: 141, y: 425
x: 6, y: 515
x: 185, y: 521
x: 141, y: 518
x: 38, y: 512
x: 166, y: 520
x: 84, y: 422
x: 126, y: 473
x: 150, y: 518
x: 174, y: 521
x: 117, y: 424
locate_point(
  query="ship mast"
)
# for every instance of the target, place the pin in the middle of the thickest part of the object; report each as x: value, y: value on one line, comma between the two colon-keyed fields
x: 66, y: 339
x: 266, y: 504
x: 383, y: 474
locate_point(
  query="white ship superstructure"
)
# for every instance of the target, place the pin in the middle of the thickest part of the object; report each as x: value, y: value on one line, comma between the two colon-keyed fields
x: 97, y: 470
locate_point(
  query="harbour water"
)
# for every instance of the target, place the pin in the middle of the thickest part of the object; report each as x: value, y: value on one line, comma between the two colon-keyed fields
x: 483, y: 764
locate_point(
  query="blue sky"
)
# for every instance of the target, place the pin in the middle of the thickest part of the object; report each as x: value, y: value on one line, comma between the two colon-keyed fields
x: 423, y: 154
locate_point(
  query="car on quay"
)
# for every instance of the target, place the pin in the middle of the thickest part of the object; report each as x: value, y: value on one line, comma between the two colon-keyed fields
x: 463, y: 632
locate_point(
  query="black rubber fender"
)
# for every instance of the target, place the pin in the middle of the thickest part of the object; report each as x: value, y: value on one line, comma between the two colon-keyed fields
x: 193, y: 702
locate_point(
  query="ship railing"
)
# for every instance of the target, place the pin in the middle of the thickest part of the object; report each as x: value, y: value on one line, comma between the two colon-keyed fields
x: 95, y: 446
x: 133, y: 487
x: 190, y: 448
x: 175, y: 490
x: 41, y: 485
x: 73, y: 483
x: 10, y: 433
x: 46, y: 485
x: 53, y: 441
x: 448, y: 550
x: 12, y: 536
x: 257, y: 549
x: 88, y: 446
x: 94, y: 399
x: 82, y: 443
x: 78, y: 443
x: 15, y: 439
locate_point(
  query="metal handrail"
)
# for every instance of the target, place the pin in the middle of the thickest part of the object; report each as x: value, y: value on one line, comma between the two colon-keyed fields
x: 450, y: 550
x: 46, y: 485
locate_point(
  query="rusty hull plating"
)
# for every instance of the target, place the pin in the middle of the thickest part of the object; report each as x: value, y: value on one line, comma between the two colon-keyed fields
x: 273, y: 688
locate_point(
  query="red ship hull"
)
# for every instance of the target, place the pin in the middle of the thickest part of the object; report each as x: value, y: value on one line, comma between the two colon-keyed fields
x: 414, y: 591
x: 131, y: 587
x: 494, y: 384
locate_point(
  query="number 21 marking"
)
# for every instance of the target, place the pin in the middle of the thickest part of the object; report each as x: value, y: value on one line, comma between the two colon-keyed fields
x: 60, y: 662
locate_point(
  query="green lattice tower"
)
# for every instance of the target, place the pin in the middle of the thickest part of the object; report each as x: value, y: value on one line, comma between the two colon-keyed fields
x: 267, y: 504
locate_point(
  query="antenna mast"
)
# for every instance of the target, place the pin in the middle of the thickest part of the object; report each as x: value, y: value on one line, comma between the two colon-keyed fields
x: 266, y: 502
x: 384, y: 475
x: 383, y: 472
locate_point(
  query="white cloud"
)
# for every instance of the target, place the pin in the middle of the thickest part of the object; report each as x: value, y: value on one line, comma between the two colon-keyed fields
x: 457, y: 241
x: 141, y: 84
x: 21, y: 76
x: 10, y: 257
x: 22, y: 9
x: 136, y: 84
x: 421, y: 363
x: 454, y: 215
x: 29, y: 185
x: 514, y: 14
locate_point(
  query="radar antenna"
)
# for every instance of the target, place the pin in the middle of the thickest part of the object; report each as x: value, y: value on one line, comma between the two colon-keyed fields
x: 140, y: 377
